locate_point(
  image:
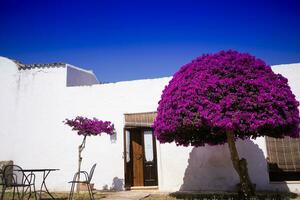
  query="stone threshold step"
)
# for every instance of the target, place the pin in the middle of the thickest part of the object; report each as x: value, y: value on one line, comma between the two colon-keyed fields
x: 143, y: 188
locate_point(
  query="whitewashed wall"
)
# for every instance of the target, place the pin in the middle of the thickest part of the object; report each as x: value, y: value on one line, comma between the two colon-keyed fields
x: 35, y: 102
x: 78, y: 77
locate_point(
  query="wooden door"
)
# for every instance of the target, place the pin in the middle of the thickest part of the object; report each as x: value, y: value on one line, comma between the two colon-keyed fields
x: 140, y: 157
x: 137, y: 158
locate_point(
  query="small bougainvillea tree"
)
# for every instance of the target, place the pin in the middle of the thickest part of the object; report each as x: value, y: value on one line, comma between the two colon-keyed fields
x: 218, y: 98
x: 88, y: 127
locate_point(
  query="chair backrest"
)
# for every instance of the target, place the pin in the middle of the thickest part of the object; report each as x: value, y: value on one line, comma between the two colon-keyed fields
x: 13, y: 174
x: 92, y: 172
x: 1, y: 177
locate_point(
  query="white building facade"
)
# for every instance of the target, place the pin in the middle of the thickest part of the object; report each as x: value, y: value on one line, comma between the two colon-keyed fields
x: 36, y: 99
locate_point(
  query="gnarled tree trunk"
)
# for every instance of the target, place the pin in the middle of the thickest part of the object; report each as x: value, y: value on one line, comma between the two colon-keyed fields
x: 246, y: 188
x: 80, y: 148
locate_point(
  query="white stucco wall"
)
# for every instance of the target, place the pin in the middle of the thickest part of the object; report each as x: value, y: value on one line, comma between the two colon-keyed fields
x: 78, y: 77
x: 36, y: 102
x: 9, y: 83
x: 34, y: 136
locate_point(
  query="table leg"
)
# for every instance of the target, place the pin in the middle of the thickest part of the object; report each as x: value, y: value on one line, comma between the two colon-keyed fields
x: 45, y: 174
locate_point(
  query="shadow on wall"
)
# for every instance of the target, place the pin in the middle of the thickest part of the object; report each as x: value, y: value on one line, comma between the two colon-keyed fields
x: 117, y: 185
x: 210, y: 168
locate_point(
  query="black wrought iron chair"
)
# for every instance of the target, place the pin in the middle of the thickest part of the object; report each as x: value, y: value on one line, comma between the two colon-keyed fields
x: 86, y: 180
x: 1, y: 184
x: 15, y: 178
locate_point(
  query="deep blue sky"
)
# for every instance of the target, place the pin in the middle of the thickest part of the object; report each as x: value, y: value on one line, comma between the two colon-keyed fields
x: 125, y: 40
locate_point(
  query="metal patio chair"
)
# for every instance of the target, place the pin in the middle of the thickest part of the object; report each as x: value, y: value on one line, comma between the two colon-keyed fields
x: 87, y: 180
x: 15, y: 178
x: 1, y: 184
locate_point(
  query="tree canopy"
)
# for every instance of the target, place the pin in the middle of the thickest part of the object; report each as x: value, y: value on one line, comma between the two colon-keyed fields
x: 226, y: 91
x: 87, y: 127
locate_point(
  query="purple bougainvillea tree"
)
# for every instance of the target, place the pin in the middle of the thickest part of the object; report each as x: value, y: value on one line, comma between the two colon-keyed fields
x: 218, y: 98
x: 88, y: 127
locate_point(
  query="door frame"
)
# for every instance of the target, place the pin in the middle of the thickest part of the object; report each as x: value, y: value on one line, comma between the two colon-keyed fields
x: 129, y: 183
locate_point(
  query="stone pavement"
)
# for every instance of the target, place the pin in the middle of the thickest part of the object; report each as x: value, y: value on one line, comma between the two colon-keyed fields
x: 126, y: 195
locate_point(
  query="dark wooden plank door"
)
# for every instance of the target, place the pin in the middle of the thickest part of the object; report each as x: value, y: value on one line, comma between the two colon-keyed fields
x: 137, y: 158
x: 150, y: 161
x: 128, y: 159
x: 140, y: 157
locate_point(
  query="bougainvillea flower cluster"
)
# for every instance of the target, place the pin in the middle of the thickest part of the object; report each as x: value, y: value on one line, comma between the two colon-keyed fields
x: 87, y: 127
x: 226, y: 91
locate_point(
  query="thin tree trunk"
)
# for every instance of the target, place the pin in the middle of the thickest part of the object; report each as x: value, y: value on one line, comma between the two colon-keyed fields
x: 80, y: 148
x: 240, y: 165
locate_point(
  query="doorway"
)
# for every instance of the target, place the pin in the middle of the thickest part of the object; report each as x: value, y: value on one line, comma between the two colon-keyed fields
x: 140, y: 157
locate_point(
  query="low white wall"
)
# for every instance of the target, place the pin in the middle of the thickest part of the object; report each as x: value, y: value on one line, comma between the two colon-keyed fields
x: 210, y: 167
x: 36, y: 101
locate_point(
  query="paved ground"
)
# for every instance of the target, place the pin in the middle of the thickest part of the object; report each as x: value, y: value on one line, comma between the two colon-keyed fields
x: 122, y: 195
x: 126, y: 195
x: 156, y: 195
